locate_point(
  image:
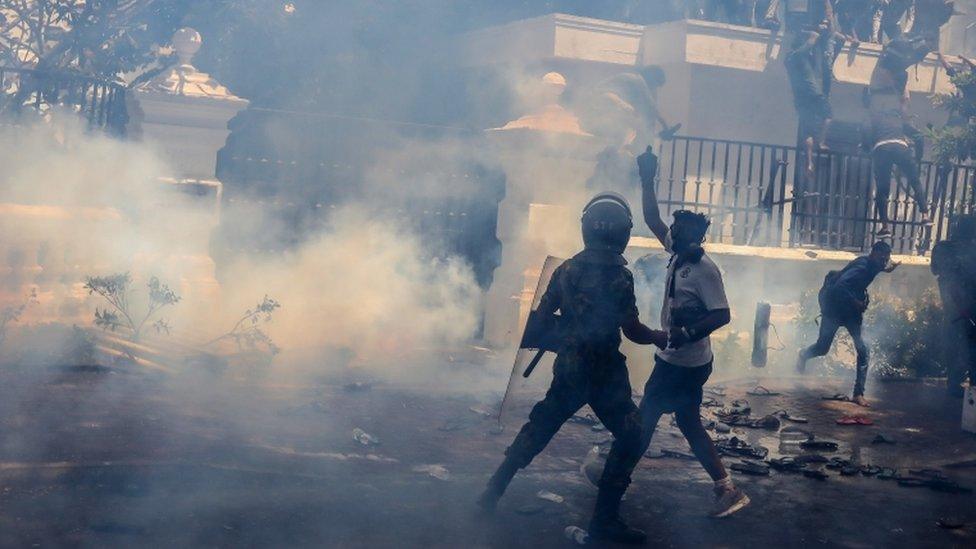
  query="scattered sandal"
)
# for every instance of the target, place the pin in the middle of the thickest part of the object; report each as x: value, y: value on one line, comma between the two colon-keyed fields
x: 795, y: 419
x: 870, y: 470
x: 813, y: 444
x: 854, y: 420
x: 750, y: 468
x: 839, y: 397
x: 759, y: 390
x: 881, y: 439
x: 815, y: 474
x: 887, y: 473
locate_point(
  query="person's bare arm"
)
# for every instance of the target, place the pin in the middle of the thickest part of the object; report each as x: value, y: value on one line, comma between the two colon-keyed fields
x: 647, y: 169
x: 942, y: 61
x: 639, y: 333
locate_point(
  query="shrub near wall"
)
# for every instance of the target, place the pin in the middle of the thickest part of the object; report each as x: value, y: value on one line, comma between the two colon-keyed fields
x: 905, y: 335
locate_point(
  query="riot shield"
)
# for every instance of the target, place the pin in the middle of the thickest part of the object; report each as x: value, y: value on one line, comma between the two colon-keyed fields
x: 535, y: 356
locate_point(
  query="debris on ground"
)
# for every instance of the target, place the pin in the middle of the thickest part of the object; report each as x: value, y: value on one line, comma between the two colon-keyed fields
x: 587, y: 419
x: 950, y: 523
x: 481, y: 411
x: 737, y: 447
x: 434, y: 470
x: 816, y: 474
x: 711, y: 402
x: 576, y: 535
x: 665, y: 453
x: 854, y: 420
x: 881, y: 438
x: 813, y: 443
x: 549, y: 496
x: 759, y: 390
x: 750, y: 468
x: 357, y: 387
x: 364, y: 438
x: 592, y: 466
x: 785, y: 414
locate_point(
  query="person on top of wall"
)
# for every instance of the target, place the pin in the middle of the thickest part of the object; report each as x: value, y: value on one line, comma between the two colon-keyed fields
x: 594, y: 294
x: 805, y: 69
x: 623, y: 109
x: 843, y: 299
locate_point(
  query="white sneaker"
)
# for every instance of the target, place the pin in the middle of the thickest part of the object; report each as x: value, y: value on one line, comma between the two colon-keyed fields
x: 728, y: 502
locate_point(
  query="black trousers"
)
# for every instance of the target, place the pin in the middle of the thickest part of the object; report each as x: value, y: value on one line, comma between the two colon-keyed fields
x: 883, y: 159
x: 828, y: 329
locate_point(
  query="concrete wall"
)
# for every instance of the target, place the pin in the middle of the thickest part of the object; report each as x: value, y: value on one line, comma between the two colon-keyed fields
x: 724, y: 81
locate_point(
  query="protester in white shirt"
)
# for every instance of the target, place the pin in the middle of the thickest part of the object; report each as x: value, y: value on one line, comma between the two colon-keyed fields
x: 695, y: 305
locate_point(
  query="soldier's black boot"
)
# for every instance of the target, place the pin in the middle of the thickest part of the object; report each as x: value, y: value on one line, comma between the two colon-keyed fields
x: 606, y: 523
x: 497, y: 485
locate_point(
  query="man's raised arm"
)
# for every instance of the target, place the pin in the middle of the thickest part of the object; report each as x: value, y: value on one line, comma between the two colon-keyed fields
x: 647, y: 168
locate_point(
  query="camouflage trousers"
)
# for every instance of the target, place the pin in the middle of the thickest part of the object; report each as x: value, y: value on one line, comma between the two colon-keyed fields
x: 602, y: 382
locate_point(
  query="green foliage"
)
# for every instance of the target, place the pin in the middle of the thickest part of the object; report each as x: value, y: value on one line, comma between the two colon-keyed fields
x: 115, y: 290
x: 904, y: 334
x: 247, y: 332
x: 98, y: 38
x: 956, y: 144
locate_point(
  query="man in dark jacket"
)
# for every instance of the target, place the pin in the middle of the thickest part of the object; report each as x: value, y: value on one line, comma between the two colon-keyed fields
x: 843, y: 300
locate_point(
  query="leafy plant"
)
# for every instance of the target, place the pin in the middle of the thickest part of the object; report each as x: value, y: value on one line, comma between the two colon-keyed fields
x: 12, y: 313
x: 247, y: 332
x: 956, y: 144
x: 116, y: 291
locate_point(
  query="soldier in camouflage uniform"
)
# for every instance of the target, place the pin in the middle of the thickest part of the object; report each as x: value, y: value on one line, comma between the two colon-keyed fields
x: 594, y: 293
x: 954, y: 263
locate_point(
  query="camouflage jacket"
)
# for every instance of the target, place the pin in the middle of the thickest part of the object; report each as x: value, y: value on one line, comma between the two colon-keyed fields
x: 594, y: 293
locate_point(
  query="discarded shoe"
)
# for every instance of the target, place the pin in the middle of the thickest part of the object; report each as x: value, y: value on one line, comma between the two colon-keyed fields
x: 815, y: 474
x: 770, y: 422
x: 850, y: 470
x: 887, y: 473
x: 759, y: 390
x: 870, y: 470
x: 814, y: 444
x: 750, y: 468
x: 854, y: 420
x: 839, y: 397
x: 838, y: 463
x: 788, y: 417
x: 950, y: 523
x: 881, y: 439
x: 588, y: 419
x: 785, y: 464
x: 740, y: 448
